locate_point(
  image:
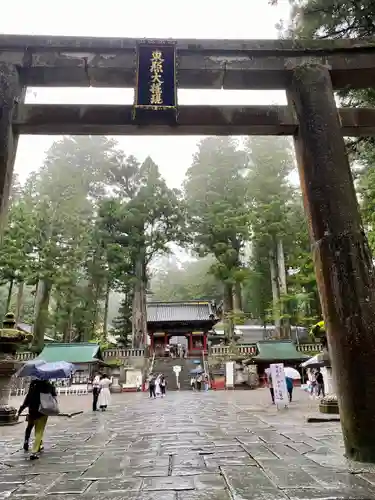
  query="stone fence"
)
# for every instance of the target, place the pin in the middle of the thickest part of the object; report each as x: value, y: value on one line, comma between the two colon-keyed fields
x: 123, y: 353
x: 249, y: 350
x: 25, y: 355
x: 252, y: 350
x: 309, y: 348
x: 224, y: 350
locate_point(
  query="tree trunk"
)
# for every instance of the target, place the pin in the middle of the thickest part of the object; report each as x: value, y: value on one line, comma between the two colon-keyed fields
x: 139, y: 320
x: 228, y: 311
x: 285, y: 323
x: 19, y: 304
x: 275, y: 290
x: 11, y: 94
x: 70, y: 325
x: 95, y: 312
x: 106, y: 306
x: 68, y: 320
x: 9, y: 298
x: 237, y: 296
x: 41, y: 315
x: 281, y: 267
x: 89, y: 312
x: 144, y: 306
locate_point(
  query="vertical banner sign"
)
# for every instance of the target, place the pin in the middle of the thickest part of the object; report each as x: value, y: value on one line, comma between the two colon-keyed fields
x: 156, y: 83
x: 229, y: 374
x: 279, y: 384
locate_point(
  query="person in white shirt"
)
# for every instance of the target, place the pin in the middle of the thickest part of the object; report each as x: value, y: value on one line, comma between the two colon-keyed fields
x: 95, y: 391
x: 105, y: 394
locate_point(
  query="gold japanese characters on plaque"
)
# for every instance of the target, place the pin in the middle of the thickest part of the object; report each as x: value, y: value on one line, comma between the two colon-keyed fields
x: 156, y: 69
x: 156, y: 83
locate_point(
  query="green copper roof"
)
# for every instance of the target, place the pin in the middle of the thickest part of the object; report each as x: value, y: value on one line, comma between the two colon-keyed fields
x: 278, y: 350
x: 73, y: 353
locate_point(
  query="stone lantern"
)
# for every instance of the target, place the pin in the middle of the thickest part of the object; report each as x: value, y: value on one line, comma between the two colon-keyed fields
x: 11, y: 339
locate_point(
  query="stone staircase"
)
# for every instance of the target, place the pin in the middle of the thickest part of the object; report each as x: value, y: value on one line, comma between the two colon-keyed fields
x: 165, y: 366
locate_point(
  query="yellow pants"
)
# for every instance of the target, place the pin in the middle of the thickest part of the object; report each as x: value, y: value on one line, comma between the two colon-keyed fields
x: 40, y: 425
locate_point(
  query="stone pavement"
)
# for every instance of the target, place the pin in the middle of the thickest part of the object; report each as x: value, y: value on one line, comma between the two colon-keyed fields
x: 189, y: 446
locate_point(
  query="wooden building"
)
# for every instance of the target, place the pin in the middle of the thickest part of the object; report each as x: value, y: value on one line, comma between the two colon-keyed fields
x: 187, y: 323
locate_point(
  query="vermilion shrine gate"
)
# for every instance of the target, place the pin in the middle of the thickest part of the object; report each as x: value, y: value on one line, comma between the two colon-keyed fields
x: 188, y: 323
x: 309, y: 71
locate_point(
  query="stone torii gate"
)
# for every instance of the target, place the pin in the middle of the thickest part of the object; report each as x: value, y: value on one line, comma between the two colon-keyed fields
x: 309, y: 71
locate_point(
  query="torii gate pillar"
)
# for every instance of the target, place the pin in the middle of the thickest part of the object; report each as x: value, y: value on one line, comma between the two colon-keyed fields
x: 11, y: 93
x: 343, y: 262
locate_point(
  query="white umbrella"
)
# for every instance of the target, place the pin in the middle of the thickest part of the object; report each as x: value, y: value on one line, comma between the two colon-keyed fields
x: 314, y: 362
x: 291, y: 373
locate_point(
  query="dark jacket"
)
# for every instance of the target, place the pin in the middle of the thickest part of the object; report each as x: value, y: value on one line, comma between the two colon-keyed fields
x: 32, y: 399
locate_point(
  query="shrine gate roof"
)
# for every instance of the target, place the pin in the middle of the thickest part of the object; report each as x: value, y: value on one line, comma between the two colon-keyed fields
x: 162, y: 312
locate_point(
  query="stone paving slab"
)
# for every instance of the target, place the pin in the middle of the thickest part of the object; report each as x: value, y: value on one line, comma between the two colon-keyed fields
x: 188, y: 446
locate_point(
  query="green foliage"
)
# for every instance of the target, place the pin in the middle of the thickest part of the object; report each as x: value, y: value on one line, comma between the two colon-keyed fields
x: 216, y: 202
x: 73, y: 242
x: 190, y: 280
x: 269, y: 190
x: 276, y: 213
x: 103, y: 343
x: 93, y: 221
x: 331, y: 18
x: 115, y: 362
x: 145, y: 215
x: 122, y: 323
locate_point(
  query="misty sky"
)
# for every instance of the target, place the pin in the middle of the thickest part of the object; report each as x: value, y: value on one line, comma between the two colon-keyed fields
x: 141, y: 19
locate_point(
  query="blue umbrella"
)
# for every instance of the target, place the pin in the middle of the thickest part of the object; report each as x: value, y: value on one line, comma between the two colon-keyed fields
x: 196, y: 362
x: 45, y: 371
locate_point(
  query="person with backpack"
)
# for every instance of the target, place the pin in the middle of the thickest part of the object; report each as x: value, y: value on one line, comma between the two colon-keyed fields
x: 36, y: 418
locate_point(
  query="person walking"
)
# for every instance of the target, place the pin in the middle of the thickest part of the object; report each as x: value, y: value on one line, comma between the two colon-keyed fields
x: 163, y: 386
x: 289, y: 387
x: 151, y: 387
x: 35, y: 418
x: 319, y: 384
x: 104, y: 399
x: 193, y: 383
x: 206, y: 382
x: 157, y: 386
x: 269, y: 384
x: 95, y: 391
x: 199, y: 382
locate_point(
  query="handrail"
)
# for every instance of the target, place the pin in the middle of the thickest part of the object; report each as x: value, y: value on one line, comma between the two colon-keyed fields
x: 151, y: 367
x: 206, y: 368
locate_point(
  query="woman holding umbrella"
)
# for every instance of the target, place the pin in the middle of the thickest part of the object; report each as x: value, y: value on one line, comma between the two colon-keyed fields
x: 290, y: 375
x: 35, y: 418
x: 41, y: 398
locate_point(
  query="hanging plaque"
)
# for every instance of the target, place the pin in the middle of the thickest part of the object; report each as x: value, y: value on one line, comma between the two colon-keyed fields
x: 156, y: 83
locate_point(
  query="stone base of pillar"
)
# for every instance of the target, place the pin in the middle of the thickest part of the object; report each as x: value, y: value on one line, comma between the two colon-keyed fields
x: 329, y: 404
x: 8, y: 415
